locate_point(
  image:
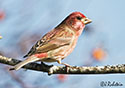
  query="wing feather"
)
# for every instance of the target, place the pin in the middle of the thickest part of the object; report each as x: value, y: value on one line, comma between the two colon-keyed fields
x: 52, y: 40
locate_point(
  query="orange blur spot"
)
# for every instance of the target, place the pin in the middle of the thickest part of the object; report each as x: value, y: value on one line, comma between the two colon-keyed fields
x: 98, y: 54
x: 2, y: 15
x: 61, y: 77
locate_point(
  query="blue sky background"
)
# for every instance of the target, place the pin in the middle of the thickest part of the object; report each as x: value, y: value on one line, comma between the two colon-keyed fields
x: 28, y: 17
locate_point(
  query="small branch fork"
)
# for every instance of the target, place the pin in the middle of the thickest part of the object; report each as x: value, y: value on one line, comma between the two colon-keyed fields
x: 66, y: 70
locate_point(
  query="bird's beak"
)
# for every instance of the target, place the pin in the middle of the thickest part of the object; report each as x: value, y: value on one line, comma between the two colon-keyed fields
x: 86, y: 21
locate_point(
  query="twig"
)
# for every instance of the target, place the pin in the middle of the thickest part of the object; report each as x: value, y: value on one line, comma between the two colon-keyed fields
x: 66, y: 70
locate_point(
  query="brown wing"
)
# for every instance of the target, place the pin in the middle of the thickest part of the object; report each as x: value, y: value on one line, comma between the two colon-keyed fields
x: 50, y: 41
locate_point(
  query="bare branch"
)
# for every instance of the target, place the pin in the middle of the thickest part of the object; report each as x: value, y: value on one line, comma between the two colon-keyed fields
x: 66, y: 70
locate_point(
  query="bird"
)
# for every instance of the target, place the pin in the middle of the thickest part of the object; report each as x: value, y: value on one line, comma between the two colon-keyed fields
x: 58, y: 43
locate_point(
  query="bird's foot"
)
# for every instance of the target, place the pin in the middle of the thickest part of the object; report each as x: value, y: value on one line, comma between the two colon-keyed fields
x: 66, y: 66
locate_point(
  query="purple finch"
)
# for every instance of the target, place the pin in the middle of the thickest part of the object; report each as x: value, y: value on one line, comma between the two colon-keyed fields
x: 59, y: 42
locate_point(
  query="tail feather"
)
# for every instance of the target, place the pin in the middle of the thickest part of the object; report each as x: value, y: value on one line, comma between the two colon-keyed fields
x: 28, y: 60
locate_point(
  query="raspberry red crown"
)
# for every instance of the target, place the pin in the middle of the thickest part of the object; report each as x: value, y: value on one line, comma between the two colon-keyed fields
x: 79, y: 14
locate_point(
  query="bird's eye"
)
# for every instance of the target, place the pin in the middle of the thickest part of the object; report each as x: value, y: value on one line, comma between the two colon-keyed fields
x: 79, y: 18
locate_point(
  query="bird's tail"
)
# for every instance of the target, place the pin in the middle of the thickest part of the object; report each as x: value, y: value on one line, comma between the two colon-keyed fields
x: 28, y: 60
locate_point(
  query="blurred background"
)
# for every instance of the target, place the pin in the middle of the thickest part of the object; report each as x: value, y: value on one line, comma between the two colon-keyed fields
x: 23, y: 22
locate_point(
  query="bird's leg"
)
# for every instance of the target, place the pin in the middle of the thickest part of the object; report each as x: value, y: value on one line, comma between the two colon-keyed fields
x: 66, y: 65
x: 59, y: 61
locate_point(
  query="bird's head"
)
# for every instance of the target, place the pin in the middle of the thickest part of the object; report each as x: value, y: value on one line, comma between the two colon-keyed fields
x: 77, y: 21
